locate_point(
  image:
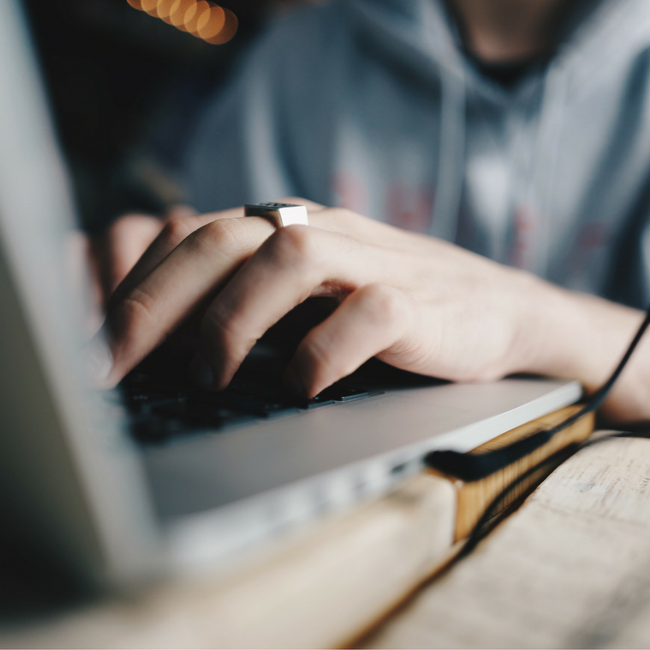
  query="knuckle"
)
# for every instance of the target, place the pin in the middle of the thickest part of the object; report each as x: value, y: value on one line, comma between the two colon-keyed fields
x: 221, y: 234
x: 383, y: 303
x: 226, y: 342
x: 122, y: 227
x: 320, y: 354
x: 133, y: 315
x: 120, y: 224
x: 295, y: 246
x: 321, y: 364
x: 176, y: 230
x: 225, y: 332
x: 215, y: 331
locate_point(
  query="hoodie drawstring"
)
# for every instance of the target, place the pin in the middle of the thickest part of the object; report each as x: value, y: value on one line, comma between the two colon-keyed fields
x: 451, y: 157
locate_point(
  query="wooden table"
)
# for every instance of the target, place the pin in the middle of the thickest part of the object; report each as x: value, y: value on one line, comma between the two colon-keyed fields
x: 571, y: 568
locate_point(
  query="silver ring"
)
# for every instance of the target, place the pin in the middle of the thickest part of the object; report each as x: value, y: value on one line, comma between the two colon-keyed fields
x: 280, y: 214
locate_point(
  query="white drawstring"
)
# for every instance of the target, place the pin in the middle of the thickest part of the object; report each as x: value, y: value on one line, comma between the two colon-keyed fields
x: 451, y: 158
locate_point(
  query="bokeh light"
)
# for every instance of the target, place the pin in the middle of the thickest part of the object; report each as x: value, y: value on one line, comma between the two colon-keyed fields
x: 201, y: 18
x: 210, y: 23
x: 150, y: 6
x: 194, y: 14
x: 227, y: 32
x: 177, y: 14
x: 165, y: 9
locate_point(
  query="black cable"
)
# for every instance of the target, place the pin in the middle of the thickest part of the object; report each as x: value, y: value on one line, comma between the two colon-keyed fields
x: 478, y: 531
x: 441, y: 460
x: 494, y: 508
x: 473, y: 467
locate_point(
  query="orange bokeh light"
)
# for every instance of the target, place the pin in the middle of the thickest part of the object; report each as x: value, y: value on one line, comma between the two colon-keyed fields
x: 211, y: 23
x: 177, y: 13
x: 150, y: 7
x: 165, y: 9
x: 228, y: 30
x: 201, y: 18
x: 194, y: 14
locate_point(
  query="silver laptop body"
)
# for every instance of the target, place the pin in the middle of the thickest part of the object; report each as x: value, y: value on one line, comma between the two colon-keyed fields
x: 72, y: 479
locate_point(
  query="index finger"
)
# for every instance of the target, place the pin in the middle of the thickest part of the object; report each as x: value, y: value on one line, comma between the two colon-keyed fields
x: 179, y: 226
x: 172, y: 234
x: 197, y: 268
x: 141, y: 316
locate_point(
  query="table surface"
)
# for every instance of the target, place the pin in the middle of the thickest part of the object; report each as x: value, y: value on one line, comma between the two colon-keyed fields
x: 570, y: 568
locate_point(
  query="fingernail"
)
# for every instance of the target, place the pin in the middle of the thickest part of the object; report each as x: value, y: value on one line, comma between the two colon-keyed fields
x: 200, y: 372
x: 294, y: 383
x: 100, y: 359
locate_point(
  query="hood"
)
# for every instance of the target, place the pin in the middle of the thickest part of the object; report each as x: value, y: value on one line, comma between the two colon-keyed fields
x: 418, y: 33
x: 422, y: 35
x: 597, y: 37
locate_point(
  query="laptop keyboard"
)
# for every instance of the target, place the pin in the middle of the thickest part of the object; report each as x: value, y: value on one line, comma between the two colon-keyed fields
x: 160, y: 410
x: 163, y: 405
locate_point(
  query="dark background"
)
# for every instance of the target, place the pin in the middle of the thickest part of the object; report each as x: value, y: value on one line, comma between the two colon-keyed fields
x: 114, y: 75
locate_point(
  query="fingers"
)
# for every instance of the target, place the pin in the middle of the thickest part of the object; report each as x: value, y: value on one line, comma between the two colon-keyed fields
x: 180, y: 224
x: 293, y: 264
x: 126, y: 240
x: 195, y: 256
x: 179, y: 211
x: 374, y: 319
x: 194, y: 270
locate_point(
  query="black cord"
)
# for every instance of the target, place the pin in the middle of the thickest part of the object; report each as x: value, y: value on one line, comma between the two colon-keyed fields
x: 448, y: 461
x: 479, y: 529
x: 473, y: 467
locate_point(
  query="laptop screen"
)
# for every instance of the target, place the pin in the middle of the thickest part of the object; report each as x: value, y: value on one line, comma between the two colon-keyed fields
x: 64, y: 466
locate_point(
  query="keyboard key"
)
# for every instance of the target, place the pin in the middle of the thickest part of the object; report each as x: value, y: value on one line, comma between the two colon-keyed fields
x: 164, y: 410
x: 215, y: 416
x: 315, y: 402
x: 157, y: 430
x: 342, y: 393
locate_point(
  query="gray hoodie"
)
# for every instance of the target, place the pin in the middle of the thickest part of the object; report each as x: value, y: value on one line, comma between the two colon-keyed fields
x: 371, y: 105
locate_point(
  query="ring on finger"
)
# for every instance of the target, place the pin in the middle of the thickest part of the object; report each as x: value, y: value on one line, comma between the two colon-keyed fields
x: 280, y: 214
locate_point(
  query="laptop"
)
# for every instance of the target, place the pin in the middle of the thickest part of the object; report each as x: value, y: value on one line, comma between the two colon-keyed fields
x: 157, y: 479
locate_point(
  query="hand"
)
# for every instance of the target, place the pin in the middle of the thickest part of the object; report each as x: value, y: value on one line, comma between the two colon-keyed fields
x: 113, y: 254
x: 414, y: 302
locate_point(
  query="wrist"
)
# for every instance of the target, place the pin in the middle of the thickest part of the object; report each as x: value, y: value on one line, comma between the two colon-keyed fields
x: 565, y: 334
x: 571, y: 335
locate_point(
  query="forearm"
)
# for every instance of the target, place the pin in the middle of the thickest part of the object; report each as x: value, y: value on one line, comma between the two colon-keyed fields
x: 575, y: 335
